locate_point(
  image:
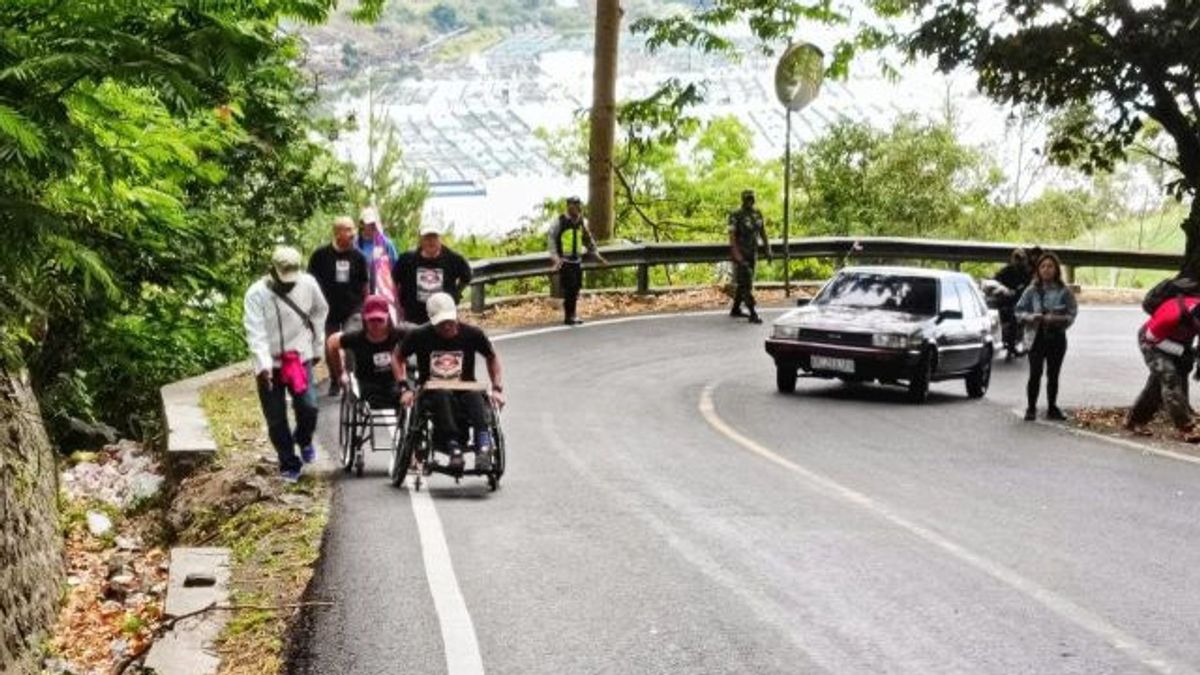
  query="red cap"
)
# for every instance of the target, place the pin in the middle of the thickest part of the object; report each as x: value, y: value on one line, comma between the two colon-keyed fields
x: 376, y: 307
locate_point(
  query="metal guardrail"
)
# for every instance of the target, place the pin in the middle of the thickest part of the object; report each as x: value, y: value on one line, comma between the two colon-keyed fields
x: 645, y: 256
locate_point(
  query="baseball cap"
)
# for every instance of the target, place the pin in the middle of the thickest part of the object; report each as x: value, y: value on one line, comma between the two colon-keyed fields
x: 748, y: 193
x: 376, y: 307
x: 573, y: 199
x: 430, y: 228
x: 285, y: 260
x: 441, y: 307
x: 369, y: 215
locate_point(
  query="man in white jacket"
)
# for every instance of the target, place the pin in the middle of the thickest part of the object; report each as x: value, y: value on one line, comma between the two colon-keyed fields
x: 284, y: 316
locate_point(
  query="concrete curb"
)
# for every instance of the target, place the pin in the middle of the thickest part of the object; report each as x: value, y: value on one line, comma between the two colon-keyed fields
x: 188, y: 438
x: 198, y: 579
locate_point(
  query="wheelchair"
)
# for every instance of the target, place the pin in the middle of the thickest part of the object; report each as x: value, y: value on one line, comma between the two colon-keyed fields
x: 416, y: 448
x: 361, y: 424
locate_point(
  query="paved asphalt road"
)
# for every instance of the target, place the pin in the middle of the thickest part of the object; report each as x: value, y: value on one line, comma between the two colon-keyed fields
x: 665, y: 511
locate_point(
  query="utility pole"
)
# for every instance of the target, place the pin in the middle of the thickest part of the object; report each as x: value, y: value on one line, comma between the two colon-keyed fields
x: 603, y: 118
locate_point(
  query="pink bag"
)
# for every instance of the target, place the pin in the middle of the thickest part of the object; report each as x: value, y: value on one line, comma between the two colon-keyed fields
x: 293, y: 373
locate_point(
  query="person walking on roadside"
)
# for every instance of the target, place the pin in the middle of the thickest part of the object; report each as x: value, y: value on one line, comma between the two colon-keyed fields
x: 380, y: 253
x: 566, y: 258
x: 1046, y: 309
x: 746, y: 228
x: 282, y: 313
x: 430, y: 268
x: 341, y: 270
x: 1167, y: 342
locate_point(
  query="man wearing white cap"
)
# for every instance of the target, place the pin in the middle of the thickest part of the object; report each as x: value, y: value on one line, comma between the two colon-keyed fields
x: 445, y: 349
x: 429, y: 269
x: 284, y: 316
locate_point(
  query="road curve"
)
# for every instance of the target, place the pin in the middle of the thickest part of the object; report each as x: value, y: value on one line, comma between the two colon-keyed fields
x: 665, y: 511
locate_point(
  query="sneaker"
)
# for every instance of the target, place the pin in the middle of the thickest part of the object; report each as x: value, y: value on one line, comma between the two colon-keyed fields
x: 755, y: 318
x: 483, y: 460
x: 1053, y: 413
x: 1030, y: 414
x: 335, y: 388
x: 736, y: 313
x: 290, y: 475
x: 572, y: 321
x: 308, y: 454
x: 483, y: 441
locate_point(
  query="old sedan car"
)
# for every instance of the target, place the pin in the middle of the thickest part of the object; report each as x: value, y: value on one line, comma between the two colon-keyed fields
x: 892, y: 325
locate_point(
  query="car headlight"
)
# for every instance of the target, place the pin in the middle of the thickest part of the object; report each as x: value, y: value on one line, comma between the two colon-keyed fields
x: 892, y: 341
x: 786, y: 331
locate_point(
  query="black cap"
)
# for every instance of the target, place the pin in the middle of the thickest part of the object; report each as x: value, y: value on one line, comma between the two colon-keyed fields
x: 574, y: 200
x: 748, y: 194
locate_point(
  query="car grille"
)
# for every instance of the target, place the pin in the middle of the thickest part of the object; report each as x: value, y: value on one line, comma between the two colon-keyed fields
x: 836, y: 337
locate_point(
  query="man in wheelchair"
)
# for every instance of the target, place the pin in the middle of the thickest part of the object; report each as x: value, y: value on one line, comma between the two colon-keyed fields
x: 376, y: 368
x: 445, y: 350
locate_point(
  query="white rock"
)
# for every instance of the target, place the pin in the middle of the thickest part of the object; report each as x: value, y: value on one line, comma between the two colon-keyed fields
x: 98, y: 523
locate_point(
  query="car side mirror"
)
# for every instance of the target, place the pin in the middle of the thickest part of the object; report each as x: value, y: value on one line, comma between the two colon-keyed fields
x: 803, y: 302
x: 951, y: 314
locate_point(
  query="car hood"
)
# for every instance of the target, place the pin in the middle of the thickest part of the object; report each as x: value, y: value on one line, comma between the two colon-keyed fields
x: 853, y: 319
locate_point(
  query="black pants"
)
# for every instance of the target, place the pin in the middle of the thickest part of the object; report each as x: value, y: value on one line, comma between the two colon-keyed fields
x: 274, y: 407
x: 571, y: 276
x: 1047, y: 353
x: 380, y: 394
x: 445, y: 405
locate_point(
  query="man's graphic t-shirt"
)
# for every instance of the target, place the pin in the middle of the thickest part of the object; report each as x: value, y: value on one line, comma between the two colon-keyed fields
x: 430, y: 280
x: 372, y: 360
x: 446, y: 358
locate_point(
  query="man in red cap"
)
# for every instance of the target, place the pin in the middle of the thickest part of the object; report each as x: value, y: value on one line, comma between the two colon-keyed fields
x: 376, y: 353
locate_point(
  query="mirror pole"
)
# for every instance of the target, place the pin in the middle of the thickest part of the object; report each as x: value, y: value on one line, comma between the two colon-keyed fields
x: 787, y: 208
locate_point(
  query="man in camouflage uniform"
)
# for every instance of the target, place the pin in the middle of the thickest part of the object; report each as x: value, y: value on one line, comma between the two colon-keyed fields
x: 745, y: 230
x: 1167, y: 342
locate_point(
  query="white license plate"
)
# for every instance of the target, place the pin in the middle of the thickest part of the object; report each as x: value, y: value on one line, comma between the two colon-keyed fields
x: 833, y: 364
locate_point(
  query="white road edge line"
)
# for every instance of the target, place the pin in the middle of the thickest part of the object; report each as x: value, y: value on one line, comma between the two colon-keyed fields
x: 1135, y: 648
x: 1127, y: 443
x: 458, y: 631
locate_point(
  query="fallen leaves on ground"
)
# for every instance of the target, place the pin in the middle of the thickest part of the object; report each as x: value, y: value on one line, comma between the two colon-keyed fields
x: 1111, y: 421
x: 540, y: 311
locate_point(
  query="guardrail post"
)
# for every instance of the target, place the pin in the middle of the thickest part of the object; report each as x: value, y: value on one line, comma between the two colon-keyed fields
x: 1068, y: 272
x: 643, y: 279
x: 478, y: 297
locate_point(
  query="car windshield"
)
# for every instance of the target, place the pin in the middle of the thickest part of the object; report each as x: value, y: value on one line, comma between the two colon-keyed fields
x: 915, y: 295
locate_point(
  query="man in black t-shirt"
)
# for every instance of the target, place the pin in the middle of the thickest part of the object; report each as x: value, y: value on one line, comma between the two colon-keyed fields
x: 375, y: 351
x: 341, y: 271
x: 445, y: 350
x: 428, y: 269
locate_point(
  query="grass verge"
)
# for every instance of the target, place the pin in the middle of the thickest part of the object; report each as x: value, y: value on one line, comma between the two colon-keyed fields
x: 273, y: 530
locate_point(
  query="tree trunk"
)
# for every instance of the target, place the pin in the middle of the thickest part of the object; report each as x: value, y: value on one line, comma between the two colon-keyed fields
x: 603, y: 119
x: 31, y: 563
x: 1191, y: 230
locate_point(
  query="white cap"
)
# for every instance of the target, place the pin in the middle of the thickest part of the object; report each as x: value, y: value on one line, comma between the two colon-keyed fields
x: 286, y: 262
x: 430, y: 228
x: 440, y: 307
x: 369, y: 215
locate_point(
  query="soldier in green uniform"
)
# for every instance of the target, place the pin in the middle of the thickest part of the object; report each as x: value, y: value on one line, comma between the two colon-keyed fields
x: 746, y: 228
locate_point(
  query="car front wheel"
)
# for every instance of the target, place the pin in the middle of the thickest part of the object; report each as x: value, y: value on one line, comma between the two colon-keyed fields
x: 785, y: 377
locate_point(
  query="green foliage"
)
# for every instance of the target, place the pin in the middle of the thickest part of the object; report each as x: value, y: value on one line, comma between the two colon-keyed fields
x: 153, y: 150
x: 914, y: 180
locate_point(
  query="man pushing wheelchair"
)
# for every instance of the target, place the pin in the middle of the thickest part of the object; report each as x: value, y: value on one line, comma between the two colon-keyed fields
x: 445, y: 350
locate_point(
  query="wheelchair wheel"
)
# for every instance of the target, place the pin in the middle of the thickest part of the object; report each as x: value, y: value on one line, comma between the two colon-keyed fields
x: 346, y: 431
x: 499, y: 454
x: 401, y: 458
